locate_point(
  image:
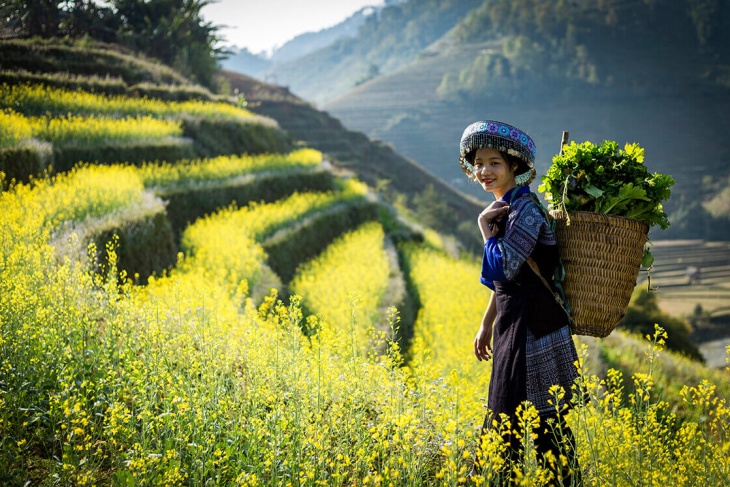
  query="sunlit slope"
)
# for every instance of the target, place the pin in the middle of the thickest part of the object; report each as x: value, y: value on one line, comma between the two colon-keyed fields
x: 186, y: 379
x: 54, y: 128
x: 345, y: 285
x: 200, y: 375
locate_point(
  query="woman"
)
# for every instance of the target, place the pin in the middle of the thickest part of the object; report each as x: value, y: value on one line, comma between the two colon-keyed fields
x: 532, y: 346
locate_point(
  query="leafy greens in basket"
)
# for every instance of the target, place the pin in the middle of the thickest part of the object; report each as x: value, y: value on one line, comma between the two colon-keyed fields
x: 605, y: 179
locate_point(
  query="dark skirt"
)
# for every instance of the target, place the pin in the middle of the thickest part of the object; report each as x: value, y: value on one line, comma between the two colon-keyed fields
x: 532, y: 350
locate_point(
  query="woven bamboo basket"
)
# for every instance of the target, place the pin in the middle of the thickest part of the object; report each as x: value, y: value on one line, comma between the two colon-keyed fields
x: 602, y: 257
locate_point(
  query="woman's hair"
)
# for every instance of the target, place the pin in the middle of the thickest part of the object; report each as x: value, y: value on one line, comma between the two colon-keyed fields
x: 513, y: 161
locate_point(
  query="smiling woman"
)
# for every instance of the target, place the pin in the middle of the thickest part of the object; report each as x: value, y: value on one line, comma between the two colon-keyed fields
x: 532, y: 348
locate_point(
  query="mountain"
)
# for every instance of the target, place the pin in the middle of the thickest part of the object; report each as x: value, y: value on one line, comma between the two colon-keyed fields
x: 260, y: 65
x: 656, y: 73
x: 387, y: 40
x: 244, y: 61
x: 309, y: 42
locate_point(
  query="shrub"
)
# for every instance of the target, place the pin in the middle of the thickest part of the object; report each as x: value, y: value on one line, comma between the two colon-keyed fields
x: 135, y: 153
x: 214, y: 137
x: 144, y: 246
x: 186, y: 205
x: 53, y: 56
x: 304, y: 242
x: 29, y: 160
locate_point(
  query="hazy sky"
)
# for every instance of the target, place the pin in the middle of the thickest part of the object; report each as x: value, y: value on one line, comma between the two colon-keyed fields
x: 261, y: 25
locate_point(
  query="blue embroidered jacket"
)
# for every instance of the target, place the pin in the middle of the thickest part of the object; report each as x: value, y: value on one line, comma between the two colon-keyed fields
x: 525, y: 226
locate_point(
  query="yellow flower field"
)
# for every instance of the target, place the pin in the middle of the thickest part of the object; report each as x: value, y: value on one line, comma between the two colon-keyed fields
x: 14, y: 129
x: 182, y: 173
x: 346, y: 283
x: 90, y: 130
x: 41, y: 100
x: 187, y: 381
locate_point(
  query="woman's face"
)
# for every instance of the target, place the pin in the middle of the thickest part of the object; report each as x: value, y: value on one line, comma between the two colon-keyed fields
x: 493, y: 172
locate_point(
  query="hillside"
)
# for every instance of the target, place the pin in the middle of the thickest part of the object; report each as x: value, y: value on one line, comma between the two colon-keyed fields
x: 373, y: 162
x: 391, y: 38
x: 595, y: 72
x: 403, y: 108
x: 231, y: 308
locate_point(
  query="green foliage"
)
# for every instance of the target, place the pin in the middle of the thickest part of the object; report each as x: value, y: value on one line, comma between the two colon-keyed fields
x: 215, y: 137
x: 172, y: 31
x: 136, y: 153
x: 490, y: 72
x: 606, y: 179
x: 308, y: 240
x: 96, y: 60
x: 643, y: 312
x: 577, y: 45
x: 110, y: 86
x: 144, y: 247
x: 26, y: 161
x: 32, y: 18
x: 188, y: 204
x: 431, y: 209
x: 90, y: 83
x: 702, y: 216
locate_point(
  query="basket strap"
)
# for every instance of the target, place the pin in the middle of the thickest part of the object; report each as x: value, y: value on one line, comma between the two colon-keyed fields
x: 533, y: 265
x: 559, y: 275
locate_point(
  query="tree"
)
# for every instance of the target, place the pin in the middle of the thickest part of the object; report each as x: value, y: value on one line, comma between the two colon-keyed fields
x: 86, y: 18
x: 431, y: 208
x: 172, y: 31
x: 32, y: 18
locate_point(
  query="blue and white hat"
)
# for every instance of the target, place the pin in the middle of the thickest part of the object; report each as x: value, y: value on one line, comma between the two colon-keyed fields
x: 502, y: 137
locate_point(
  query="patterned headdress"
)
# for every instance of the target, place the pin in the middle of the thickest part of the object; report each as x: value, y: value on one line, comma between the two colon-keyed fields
x: 502, y: 137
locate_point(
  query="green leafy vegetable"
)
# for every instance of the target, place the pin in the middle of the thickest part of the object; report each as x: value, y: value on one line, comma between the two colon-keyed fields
x: 605, y: 179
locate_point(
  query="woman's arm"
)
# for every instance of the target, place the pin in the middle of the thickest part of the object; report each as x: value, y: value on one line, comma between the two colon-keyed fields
x: 493, y: 213
x: 483, y: 340
x: 503, y: 257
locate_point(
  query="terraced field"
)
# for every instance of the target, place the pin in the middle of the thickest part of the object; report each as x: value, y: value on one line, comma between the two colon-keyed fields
x: 149, y: 335
x: 688, y: 273
x: 692, y: 273
x: 404, y: 109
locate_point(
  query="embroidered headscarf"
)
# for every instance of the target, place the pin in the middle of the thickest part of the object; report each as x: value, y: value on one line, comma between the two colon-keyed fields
x: 504, y: 138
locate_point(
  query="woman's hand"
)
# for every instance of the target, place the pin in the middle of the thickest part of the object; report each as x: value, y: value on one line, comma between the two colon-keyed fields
x: 483, y: 343
x: 492, y: 214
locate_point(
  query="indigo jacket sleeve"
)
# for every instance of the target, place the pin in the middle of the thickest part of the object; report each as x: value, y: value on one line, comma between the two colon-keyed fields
x: 492, y: 266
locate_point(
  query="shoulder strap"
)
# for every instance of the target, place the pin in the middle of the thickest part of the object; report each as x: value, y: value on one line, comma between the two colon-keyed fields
x: 560, y: 271
x: 533, y: 265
